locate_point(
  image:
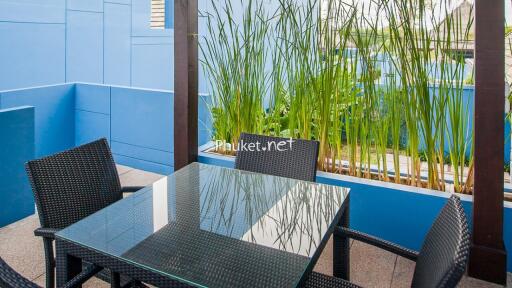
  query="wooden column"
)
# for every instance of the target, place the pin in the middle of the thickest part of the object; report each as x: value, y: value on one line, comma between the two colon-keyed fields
x: 488, y: 255
x: 185, y: 82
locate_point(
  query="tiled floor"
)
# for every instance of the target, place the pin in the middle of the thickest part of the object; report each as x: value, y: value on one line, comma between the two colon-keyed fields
x: 370, y: 267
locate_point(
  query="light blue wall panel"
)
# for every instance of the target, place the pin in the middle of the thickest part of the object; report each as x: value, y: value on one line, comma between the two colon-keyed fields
x: 169, y: 14
x: 34, y: 11
x: 117, y: 44
x: 16, y: 148
x: 150, y: 40
x: 92, y: 98
x: 86, y: 5
x: 142, y: 118
x: 205, y: 120
x: 157, y: 58
x: 90, y: 126
x: 151, y: 155
x: 31, y: 54
x: 143, y: 165
x: 126, y: 2
x: 204, y: 136
x: 204, y: 85
x: 54, y: 115
x: 84, y: 50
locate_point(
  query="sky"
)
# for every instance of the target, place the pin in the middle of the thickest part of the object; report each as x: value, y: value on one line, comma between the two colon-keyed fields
x: 508, y: 11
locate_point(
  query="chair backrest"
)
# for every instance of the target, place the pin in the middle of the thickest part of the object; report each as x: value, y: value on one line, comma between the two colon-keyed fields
x: 73, y: 184
x: 285, y: 157
x: 445, y: 252
x: 11, y: 279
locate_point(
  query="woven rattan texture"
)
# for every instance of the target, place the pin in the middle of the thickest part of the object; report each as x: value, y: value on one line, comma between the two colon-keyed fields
x: 232, y: 263
x: 317, y: 280
x: 445, y: 252
x: 10, y: 279
x: 65, y: 248
x: 71, y: 185
x: 215, y: 227
x: 442, y: 260
x: 295, y: 160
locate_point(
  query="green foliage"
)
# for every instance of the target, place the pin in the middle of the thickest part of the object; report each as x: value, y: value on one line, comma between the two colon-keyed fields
x: 508, y: 30
x: 235, y: 63
x: 306, y: 73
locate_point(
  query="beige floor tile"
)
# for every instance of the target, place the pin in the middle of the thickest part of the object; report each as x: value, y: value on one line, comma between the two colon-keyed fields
x: 92, y: 283
x: 324, y: 264
x: 21, y: 249
x: 403, y: 272
x: 138, y: 178
x: 121, y: 169
x: 41, y: 280
x: 371, y: 266
x: 468, y: 282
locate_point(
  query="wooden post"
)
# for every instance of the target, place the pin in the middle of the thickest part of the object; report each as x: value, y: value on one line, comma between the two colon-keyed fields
x: 488, y: 255
x: 185, y: 82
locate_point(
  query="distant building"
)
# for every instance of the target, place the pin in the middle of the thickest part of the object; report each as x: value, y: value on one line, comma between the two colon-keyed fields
x: 461, y: 37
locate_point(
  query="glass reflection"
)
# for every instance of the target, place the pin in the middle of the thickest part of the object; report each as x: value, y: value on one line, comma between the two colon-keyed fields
x: 205, y: 224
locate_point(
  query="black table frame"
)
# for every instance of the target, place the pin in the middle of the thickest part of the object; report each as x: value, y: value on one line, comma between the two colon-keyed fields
x: 70, y: 256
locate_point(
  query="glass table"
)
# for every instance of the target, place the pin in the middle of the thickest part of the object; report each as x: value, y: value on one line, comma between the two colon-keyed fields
x: 209, y: 226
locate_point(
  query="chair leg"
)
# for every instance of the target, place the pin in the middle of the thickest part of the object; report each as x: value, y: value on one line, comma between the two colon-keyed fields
x: 115, y: 280
x: 50, y: 262
x: 341, y: 249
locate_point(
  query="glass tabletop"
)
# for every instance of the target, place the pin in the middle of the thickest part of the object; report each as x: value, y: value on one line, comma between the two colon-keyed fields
x: 210, y: 226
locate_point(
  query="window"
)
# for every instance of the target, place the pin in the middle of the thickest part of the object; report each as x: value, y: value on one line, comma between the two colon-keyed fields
x: 162, y: 14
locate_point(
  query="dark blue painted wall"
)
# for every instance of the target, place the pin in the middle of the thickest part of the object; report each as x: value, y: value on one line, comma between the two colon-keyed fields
x: 16, y: 147
x: 54, y: 115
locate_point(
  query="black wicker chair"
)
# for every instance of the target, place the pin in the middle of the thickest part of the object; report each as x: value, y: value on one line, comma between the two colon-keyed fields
x: 296, y: 160
x: 442, y: 260
x: 69, y: 186
x: 11, y: 279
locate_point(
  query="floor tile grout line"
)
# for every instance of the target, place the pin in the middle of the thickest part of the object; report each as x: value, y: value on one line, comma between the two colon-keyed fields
x: 393, y: 272
x: 125, y: 172
x: 33, y: 279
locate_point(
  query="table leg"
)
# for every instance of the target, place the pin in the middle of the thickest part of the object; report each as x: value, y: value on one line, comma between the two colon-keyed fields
x: 115, y: 280
x: 341, y: 248
x: 67, y: 266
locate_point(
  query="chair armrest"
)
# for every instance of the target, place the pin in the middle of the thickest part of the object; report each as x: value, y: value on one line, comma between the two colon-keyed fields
x: 377, y: 242
x: 83, y: 276
x: 131, y: 189
x: 46, y: 232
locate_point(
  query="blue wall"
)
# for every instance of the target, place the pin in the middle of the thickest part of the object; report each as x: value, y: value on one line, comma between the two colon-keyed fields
x: 54, y: 117
x: 32, y: 34
x: 391, y: 212
x: 100, y: 41
x: 138, y: 123
x: 16, y: 147
x: 468, y: 96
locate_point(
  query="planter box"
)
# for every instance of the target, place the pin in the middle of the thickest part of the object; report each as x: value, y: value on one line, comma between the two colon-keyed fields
x: 395, y: 212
